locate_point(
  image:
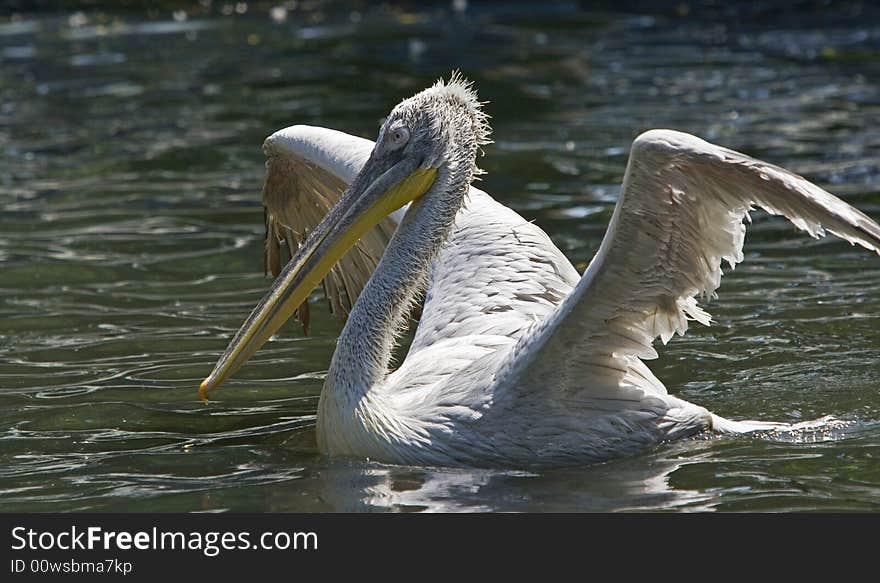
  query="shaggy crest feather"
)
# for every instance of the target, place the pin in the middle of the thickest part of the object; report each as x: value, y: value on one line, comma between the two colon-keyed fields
x: 462, y: 90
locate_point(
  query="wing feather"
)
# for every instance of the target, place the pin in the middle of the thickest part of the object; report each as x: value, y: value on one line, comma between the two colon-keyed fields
x: 680, y: 216
x: 307, y: 171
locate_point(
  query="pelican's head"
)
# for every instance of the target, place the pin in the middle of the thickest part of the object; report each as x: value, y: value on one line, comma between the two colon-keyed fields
x: 443, y: 126
x: 427, y: 147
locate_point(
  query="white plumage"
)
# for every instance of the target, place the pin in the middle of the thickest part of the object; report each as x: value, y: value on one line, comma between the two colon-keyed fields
x: 517, y: 360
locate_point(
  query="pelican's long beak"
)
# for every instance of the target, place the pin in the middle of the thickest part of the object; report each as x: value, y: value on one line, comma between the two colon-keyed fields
x: 379, y: 189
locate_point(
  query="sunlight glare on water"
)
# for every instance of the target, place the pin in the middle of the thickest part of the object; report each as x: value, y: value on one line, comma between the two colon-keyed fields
x: 131, y: 233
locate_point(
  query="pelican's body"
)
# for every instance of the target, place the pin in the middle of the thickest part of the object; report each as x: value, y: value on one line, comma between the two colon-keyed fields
x: 496, y: 277
x: 517, y: 359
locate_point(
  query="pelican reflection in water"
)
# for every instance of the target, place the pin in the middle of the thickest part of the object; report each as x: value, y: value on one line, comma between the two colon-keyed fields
x: 517, y: 360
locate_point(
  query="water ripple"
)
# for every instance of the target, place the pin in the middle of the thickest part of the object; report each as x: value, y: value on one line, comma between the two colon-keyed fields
x: 131, y: 231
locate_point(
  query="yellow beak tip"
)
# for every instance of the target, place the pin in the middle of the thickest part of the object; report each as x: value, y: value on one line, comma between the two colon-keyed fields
x: 204, y: 387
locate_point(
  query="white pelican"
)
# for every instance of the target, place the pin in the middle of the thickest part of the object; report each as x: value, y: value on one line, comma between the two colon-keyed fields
x: 517, y: 360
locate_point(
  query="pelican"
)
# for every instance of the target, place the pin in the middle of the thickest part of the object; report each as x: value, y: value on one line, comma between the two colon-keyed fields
x: 517, y: 360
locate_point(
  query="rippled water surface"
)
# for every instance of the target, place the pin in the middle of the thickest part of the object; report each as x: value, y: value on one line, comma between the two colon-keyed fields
x: 131, y: 232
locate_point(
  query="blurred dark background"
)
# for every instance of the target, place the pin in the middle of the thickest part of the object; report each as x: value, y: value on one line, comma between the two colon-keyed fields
x: 758, y: 11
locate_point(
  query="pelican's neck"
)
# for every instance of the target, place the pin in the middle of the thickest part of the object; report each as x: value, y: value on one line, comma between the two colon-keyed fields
x: 364, y: 348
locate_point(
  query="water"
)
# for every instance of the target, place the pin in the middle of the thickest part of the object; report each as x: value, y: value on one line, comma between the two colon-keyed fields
x: 131, y: 232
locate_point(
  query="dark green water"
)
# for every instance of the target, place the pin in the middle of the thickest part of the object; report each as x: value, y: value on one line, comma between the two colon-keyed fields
x: 131, y: 232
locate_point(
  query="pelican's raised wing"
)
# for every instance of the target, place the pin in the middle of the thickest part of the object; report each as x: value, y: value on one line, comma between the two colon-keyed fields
x: 679, y: 216
x: 307, y: 170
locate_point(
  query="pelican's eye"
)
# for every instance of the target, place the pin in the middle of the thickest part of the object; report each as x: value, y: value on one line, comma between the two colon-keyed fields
x: 398, y: 137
